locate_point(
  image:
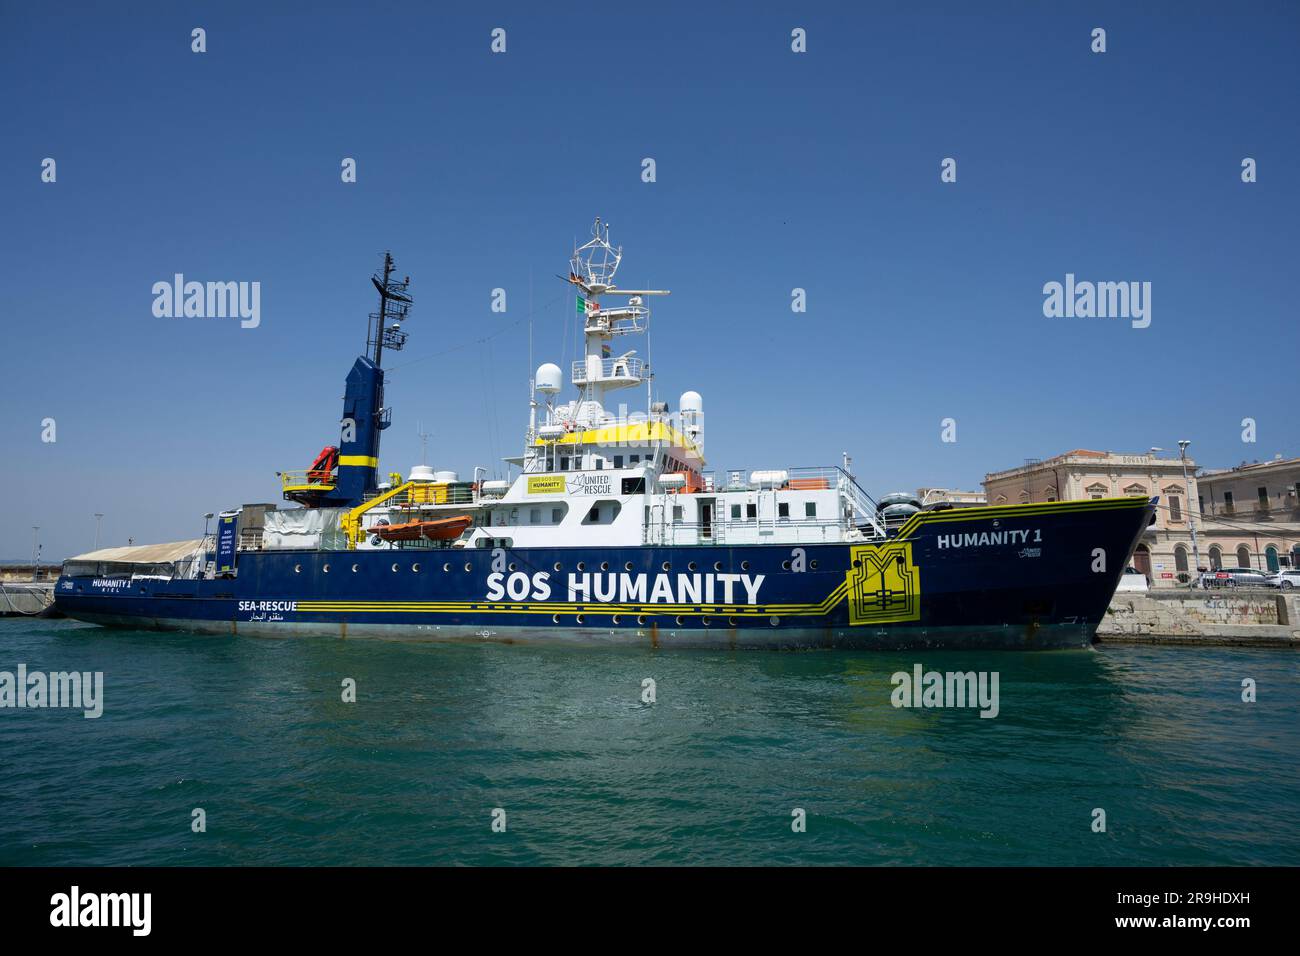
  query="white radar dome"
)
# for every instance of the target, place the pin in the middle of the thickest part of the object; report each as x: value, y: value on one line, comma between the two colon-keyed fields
x: 691, y: 403
x: 420, y: 473
x: 549, y: 379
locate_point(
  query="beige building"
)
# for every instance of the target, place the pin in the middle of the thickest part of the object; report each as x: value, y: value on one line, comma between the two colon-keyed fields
x: 1251, y: 515
x: 1164, y: 552
x: 1245, y: 517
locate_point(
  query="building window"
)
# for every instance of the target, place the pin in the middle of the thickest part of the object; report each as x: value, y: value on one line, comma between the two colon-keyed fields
x: 1175, y: 508
x: 1180, y: 562
x: 1216, y: 558
x: 1270, y: 556
x: 1200, y: 504
x: 1263, y: 498
x: 751, y: 512
x: 1227, y: 502
x: 783, y: 509
x: 1243, y: 557
x: 810, y: 509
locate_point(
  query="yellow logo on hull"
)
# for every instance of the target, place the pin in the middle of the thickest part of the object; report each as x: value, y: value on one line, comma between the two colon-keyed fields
x: 884, y: 586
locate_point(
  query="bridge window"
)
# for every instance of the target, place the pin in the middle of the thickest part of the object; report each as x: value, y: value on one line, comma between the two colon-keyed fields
x: 534, y: 515
x: 810, y: 509
x: 618, y: 461
x: 677, y: 514
x: 783, y: 509
x: 751, y: 512
x: 735, y: 512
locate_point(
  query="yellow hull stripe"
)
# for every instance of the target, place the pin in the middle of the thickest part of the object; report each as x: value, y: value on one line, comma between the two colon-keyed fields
x: 568, y: 607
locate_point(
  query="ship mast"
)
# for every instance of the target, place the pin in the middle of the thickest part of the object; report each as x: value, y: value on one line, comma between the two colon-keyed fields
x: 394, y: 304
x: 592, y: 269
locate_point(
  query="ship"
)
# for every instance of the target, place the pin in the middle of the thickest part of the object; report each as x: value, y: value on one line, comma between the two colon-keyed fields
x: 609, y: 528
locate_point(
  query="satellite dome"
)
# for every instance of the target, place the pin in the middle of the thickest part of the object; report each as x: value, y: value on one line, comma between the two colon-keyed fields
x: 549, y: 378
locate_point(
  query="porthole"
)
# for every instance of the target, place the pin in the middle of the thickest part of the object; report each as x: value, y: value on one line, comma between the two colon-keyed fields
x: 446, y: 567
x: 628, y: 566
x: 556, y: 566
x: 813, y: 564
x: 513, y: 566
x: 604, y: 565
x: 785, y: 565
x: 857, y: 563
x: 355, y: 569
x: 582, y: 565
x: 691, y: 567
x: 394, y: 569
x: 704, y: 621
x: 640, y: 618
x: 717, y: 565
x: 731, y: 621
x: 416, y: 567
x: 555, y: 618
x: 775, y: 620
x: 679, y: 620
x: 744, y: 565
x: 468, y: 567
x: 325, y: 568
x: 614, y: 619
x: 577, y: 619
x: 297, y: 569
x: 667, y: 566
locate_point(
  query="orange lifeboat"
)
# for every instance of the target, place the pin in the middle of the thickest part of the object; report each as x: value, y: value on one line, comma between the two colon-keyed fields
x: 439, y: 529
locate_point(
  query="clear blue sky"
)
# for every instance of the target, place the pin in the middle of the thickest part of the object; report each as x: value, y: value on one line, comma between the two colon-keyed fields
x: 775, y: 171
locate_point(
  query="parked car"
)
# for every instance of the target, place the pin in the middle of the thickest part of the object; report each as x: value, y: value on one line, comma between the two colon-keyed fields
x: 1132, y: 580
x: 1233, y: 578
x: 1286, y: 579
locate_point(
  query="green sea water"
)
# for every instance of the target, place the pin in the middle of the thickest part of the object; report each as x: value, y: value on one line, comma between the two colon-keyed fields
x: 256, y: 733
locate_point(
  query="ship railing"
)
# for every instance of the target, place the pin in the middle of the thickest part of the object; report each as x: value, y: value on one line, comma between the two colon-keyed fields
x: 730, y: 532
x: 863, y: 510
x: 301, y: 479
x: 632, y: 369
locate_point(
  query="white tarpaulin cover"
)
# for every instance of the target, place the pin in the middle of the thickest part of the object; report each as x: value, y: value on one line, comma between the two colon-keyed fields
x: 144, y: 553
x: 304, y: 528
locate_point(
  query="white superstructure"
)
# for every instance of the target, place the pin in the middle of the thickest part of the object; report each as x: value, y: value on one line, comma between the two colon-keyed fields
x: 593, y: 476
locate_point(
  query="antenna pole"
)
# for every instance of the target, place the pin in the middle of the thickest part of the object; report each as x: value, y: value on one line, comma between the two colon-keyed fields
x: 383, y: 308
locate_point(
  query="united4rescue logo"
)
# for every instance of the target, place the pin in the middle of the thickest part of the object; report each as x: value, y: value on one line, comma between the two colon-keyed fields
x: 884, y: 586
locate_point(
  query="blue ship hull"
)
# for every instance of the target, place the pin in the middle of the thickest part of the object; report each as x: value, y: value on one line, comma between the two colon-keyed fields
x: 1026, y: 576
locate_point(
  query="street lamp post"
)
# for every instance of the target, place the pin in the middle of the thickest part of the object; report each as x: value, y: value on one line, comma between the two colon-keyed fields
x: 1191, y: 513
